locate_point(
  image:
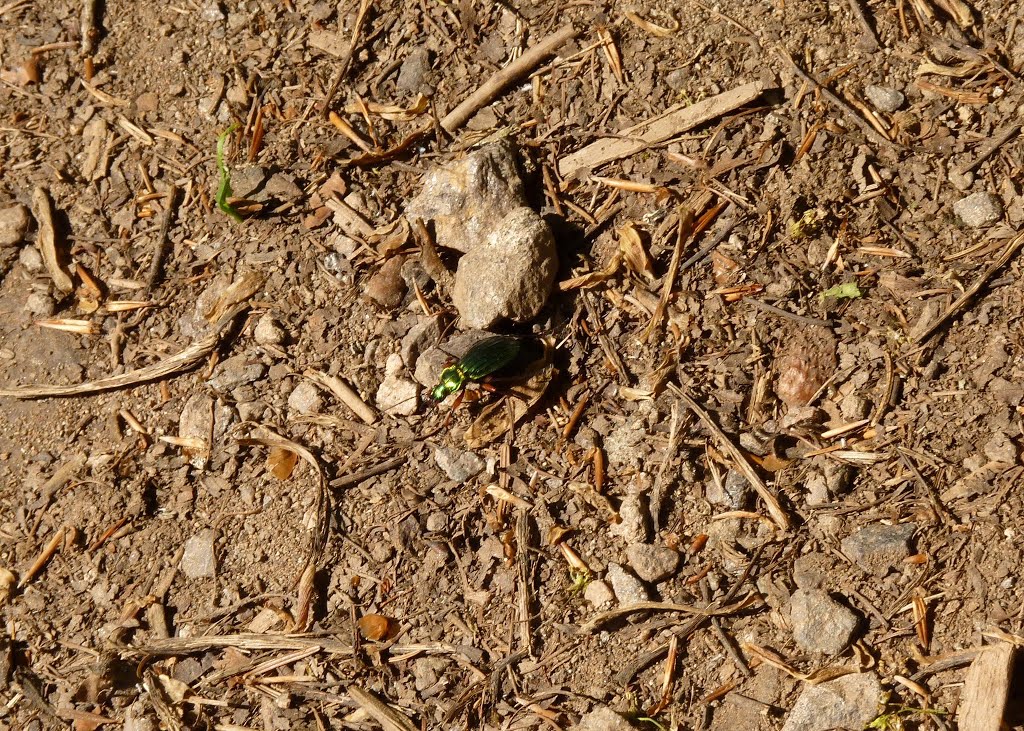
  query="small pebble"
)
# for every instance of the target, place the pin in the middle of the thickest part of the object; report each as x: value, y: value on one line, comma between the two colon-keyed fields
x: 628, y: 589
x: 978, y: 209
x: 652, y: 563
x: 386, y: 286
x: 398, y: 396
x: 879, y: 548
x: 849, y: 702
x: 883, y: 98
x: 820, y: 623
x: 306, y: 399
x: 30, y: 258
x: 268, y: 332
x: 633, y: 520
x: 414, y: 73
x: 599, y: 594
x: 40, y: 304
x: 604, y: 719
x: 14, y: 222
x: 236, y: 371
x: 198, y: 560
x: 457, y: 464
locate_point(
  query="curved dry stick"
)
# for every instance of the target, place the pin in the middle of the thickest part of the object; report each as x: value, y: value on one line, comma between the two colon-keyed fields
x: 502, y: 79
x: 779, y: 516
x: 710, y: 611
x: 180, y: 361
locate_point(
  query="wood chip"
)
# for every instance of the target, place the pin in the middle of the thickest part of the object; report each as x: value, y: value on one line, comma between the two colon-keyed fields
x: 986, y: 688
x: 47, y: 240
x: 675, y: 121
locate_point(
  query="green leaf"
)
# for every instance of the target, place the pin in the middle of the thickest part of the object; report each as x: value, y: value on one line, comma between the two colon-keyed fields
x: 224, y: 189
x: 850, y: 290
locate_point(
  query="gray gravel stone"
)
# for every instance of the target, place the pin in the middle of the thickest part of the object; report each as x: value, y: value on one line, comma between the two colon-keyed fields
x: 30, y: 258
x: 879, y: 548
x: 268, y: 332
x: 236, y: 371
x: 398, y: 396
x: 850, y: 702
x: 414, y: 74
x: 599, y: 594
x: 628, y: 589
x: 510, y: 275
x: 457, y: 464
x: 820, y: 623
x: 978, y: 209
x: 14, y: 222
x: 465, y: 199
x: 883, y: 98
x: 733, y: 494
x: 632, y: 526
x: 604, y: 719
x: 40, y: 304
x: 198, y: 561
x: 652, y: 563
x: 306, y: 399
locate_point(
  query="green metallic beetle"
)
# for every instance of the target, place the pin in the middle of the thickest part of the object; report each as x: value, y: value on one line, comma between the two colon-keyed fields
x: 487, y: 356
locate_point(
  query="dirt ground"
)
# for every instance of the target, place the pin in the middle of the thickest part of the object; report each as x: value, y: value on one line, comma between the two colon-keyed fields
x: 808, y: 466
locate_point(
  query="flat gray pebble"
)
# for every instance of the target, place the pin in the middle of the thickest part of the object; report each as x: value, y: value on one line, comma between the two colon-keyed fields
x: 457, y: 464
x: 849, y: 702
x: 628, y: 589
x: 604, y: 719
x: 820, y: 623
x: 978, y: 209
x: 652, y: 563
x: 879, y: 548
x: 599, y: 594
x: 883, y: 98
x: 198, y: 561
x: 306, y: 399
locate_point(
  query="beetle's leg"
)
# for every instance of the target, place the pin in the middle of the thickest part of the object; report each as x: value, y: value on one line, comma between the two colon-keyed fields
x: 455, y: 404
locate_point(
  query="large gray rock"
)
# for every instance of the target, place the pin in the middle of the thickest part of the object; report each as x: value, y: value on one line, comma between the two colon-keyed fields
x: 465, y: 199
x: 848, y: 703
x: 510, y: 275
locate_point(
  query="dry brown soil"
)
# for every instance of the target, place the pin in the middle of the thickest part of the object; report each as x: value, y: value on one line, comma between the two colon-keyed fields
x: 486, y: 621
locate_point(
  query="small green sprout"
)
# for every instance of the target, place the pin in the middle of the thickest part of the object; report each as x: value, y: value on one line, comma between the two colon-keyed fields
x: 224, y: 189
x: 893, y: 720
x: 808, y: 224
x: 580, y: 580
x: 850, y: 290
